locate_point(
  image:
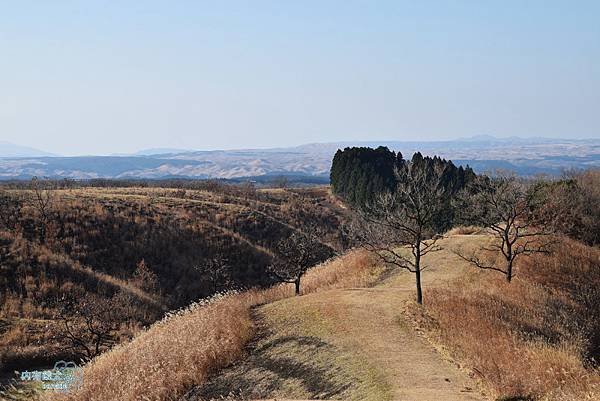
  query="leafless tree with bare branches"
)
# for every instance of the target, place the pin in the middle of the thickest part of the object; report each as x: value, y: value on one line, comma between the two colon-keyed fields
x: 297, y: 253
x: 10, y: 209
x: 217, y: 271
x: 503, y: 206
x: 90, y: 324
x: 42, y: 202
x: 281, y: 181
x: 399, y: 226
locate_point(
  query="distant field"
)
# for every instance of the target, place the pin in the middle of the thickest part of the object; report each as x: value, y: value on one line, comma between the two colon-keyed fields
x: 310, y: 164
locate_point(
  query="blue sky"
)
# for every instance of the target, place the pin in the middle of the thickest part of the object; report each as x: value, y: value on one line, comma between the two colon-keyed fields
x: 117, y: 76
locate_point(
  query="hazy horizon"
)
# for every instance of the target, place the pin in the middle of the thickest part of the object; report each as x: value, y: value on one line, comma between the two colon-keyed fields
x: 146, y: 150
x: 88, y: 78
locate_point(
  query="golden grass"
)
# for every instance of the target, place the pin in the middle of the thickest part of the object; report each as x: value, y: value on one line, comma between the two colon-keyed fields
x: 308, y: 355
x: 187, y: 346
x: 355, y: 269
x: 529, y: 338
x: 465, y: 230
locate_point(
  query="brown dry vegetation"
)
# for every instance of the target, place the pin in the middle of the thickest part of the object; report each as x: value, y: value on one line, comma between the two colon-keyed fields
x: 537, y: 337
x: 465, y: 230
x: 183, y: 349
x: 91, y: 241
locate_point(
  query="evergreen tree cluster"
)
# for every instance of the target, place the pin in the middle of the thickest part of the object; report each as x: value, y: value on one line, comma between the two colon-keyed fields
x: 359, y: 174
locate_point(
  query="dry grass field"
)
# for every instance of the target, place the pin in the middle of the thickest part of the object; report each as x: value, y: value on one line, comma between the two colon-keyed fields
x: 475, y: 337
x: 90, y: 241
x: 356, y: 333
x: 534, y: 338
x: 186, y: 347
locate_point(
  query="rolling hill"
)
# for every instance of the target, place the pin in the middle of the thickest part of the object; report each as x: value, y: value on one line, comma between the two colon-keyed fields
x: 357, y: 334
x: 309, y: 162
x: 93, y: 240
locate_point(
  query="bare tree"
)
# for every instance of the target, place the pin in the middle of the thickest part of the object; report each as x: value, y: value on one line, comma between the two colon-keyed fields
x: 42, y: 202
x: 399, y: 226
x: 90, y: 325
x: 10, y: 210
x: 297, y: 253
x: 570, y: 205
x: 144, y: 278
x: 281, y: 181
x: 217, y: 271
x: 502, y: 204
x: 248, y: 189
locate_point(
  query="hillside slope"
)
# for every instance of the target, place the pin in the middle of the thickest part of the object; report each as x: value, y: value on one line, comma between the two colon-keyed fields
x: 354, y: 343
x: 92, y: 241
x: 476, y: 336
x: 357, y: 334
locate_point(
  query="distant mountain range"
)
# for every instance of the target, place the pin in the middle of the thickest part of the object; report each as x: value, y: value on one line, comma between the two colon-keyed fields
x: 8, y: 149
x: 310, y: 162
x: 154, y: 151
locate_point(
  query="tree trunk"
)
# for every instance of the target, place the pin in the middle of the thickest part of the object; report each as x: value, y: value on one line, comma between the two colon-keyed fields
x: 297, y: 284
x: 43, y: 233
x: 419, y: 291
x: 509, y: 257
x: 418, y: 273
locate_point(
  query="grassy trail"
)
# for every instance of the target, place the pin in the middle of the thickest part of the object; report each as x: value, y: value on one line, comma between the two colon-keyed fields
x: 351, y: 344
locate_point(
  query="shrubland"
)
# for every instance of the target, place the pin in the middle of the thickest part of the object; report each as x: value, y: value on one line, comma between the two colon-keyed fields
x: 534, y: 338
x: 139, y: 249
x: 538, y: 336
x: 185, y: 347
x: 575, y: 198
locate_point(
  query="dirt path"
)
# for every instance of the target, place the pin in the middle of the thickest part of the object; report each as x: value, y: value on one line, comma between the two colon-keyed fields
x: 350, y: 344
x: 370, y: 323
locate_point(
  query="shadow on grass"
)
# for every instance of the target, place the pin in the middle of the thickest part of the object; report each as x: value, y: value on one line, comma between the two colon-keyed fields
x: 293, y: 363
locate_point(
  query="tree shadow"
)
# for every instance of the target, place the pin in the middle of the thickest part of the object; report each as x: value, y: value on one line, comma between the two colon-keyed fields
x: 269, y: 368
